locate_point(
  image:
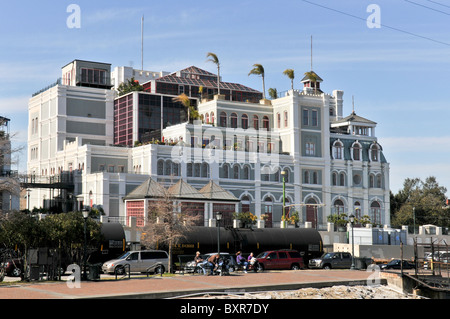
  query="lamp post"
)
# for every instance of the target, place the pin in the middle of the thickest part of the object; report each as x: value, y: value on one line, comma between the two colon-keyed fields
x: 352, y: 220
x: 85, y: 217
x: 283, y: 218
x: 219, y: 218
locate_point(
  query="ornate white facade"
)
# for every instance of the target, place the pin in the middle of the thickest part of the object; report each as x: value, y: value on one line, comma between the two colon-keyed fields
x: 332, y: 163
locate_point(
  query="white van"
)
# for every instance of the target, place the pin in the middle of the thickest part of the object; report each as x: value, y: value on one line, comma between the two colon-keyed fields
x: 153, y: 261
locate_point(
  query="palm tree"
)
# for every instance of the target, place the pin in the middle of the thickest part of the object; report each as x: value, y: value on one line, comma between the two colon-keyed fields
x: 290, y: 74
x: 184, y: 99
x: 258, y: 69
x: 273, y: 93
x: 214, y: 59
x: 313, y: 77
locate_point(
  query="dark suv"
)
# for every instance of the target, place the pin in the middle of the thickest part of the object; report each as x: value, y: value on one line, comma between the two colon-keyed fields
x: 332, y: 260
x: 280, y: 259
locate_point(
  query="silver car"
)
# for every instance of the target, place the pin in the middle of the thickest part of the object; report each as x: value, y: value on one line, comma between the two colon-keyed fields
x: 144, y: 261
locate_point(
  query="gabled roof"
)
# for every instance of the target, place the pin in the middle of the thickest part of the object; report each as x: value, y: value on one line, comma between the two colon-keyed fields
x: 199, y: 77
x: 215, y: 192
x: 355, y: 118
x: 183, y: 190
x: 149, y: 188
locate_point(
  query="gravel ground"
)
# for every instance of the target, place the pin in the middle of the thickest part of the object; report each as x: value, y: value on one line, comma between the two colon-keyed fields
x: 335, y: 292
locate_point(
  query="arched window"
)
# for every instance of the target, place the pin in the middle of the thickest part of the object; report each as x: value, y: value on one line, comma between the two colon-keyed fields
x: 223, y: 119
x: 286, y: 123
x: 278, y: 120
x: 338, y: 150
x: 212, y: 117
x: 176, y: 169
x: 189, y: 169
x: 334, y: 177
x: 205, y: 170
x: 338, y: 207
x: 245, y: 204
x: 207, y: 118
x: 374, y: 152
x: 266, y: 123
x: 160, y: 167
x: 244, y: 121
x: 197, y: 170
x: 375, y: 212
x: 256, y: 122
x: 356, y: 151
x: 379, y: 180
x: 286, y: 175
x: 236, y: 171
x: 226, y: 171
x: 246, y: 172
x: 315, y: 178
x: 342, y: 179
x: 233, y: 120
x: 168, y: 168
x: 371, y: 181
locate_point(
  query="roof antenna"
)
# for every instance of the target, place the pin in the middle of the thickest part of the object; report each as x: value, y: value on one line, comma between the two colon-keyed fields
x: 353, y: 104
x: 142, y: 43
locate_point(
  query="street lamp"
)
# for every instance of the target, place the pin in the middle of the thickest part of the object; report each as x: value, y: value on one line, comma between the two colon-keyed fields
x: 85, y: 217
x: 352, y: 220
x: 219, y: 218
x: 283, y: 219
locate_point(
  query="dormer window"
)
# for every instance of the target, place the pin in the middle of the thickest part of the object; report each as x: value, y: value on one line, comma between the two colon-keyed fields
x: 356, y: 151
x: 374, y: 153
x: 338, y: 148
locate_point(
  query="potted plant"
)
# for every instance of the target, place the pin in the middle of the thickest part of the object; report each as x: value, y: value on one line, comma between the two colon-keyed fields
x: 247, y: 219
x: 339, y: 220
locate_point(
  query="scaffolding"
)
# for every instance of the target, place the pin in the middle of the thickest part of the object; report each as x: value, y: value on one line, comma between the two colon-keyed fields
x: 433, y: 268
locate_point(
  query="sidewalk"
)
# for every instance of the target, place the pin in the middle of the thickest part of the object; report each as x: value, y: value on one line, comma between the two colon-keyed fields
x: 178, y: 285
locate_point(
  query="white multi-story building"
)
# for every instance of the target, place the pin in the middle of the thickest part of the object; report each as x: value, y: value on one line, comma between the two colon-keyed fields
x: 329, y: 163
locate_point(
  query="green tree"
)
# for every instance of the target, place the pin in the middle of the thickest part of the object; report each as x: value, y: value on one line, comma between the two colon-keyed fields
x: 420, y: 202
x: 273, y: 93
x: 291, y: 75
x: 214, y: 59
x: 191, y: 110
x: 164, y: 228
x: 311, y: 75
x: 129, y: 86
x: 258, y: 69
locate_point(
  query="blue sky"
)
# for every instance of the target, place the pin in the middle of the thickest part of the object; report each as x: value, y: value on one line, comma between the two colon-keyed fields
x: 398, y: 73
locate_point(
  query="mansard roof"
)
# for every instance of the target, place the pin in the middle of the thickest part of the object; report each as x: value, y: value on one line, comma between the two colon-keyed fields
x: 199, y: 77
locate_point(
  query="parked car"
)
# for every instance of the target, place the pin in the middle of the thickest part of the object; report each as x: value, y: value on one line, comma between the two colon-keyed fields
x: 280, y: 259
x: 332, y: 260
x: 13, y: 267
x: 156, y: 261
x: 396, y: 264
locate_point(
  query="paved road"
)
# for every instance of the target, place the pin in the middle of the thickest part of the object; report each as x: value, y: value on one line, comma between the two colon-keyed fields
x: 173, y: 286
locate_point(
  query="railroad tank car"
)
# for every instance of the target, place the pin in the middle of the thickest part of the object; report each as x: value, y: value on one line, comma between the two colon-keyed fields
x: 113, y: 243
x: 307, y: 241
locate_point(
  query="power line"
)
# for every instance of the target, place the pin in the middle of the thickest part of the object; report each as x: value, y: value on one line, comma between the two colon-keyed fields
x: 444, y: 5
x: 381, y: 24
x: 429, y: 8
